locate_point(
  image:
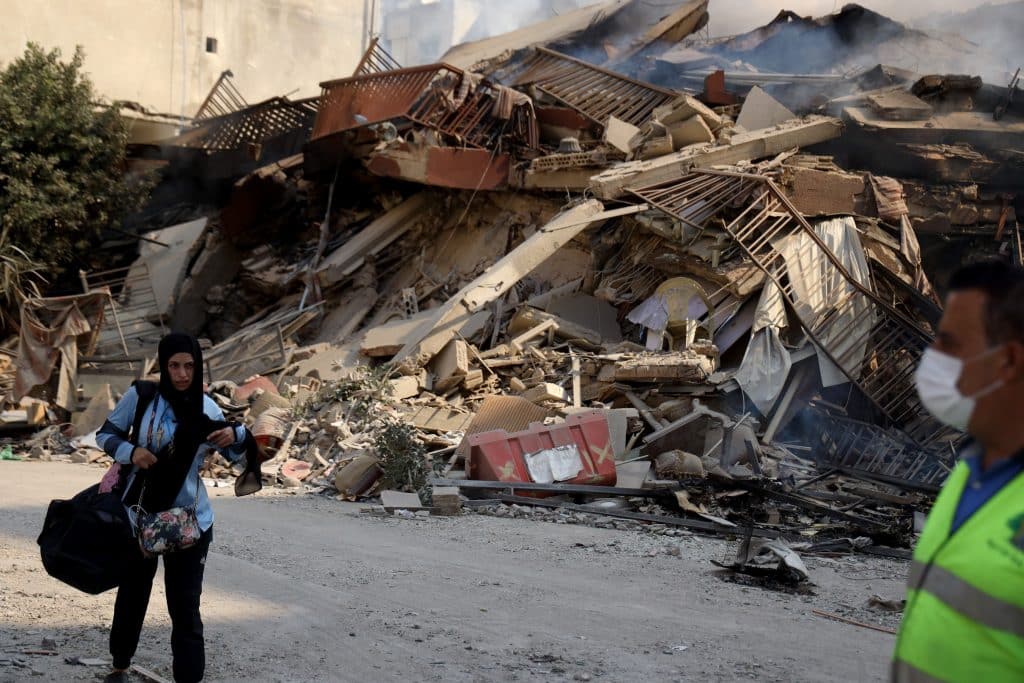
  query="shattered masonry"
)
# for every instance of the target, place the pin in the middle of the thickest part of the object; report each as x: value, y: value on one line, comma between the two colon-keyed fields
x: 666, y: 270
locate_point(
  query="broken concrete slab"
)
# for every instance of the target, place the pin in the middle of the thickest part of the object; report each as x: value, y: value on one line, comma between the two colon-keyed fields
x: 357, y: 476
x: 653, y: 141
x: 388, y: 339
x: 527, y: 320
x: 589, y: 312
x: 328, y: 363
x: 575, y: 317
x: 163, y: 258
x: 447, y: 500
x: 899, y: 105
x: 92, y: 383
x: 761, y: 110
x: 443, y: 323
x: 218, y: 264
x: 815, y: 192
x: 692, y: 131
x: 613, y: 183
x: 974, y: 128
x: 450, y: 366
x: 679, y: 366
x: 546, y: 391
x: 619, y: 135
x: 405, y: 387
x: 452, y: 167
x: 397, y: 500
x: 441, y: 420
x: 348, y: 316
x: 685, y: 107
x: 92, y: 418
x: 348, y: 258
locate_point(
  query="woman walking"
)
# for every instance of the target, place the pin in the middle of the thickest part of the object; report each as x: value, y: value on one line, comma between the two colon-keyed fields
x: 178, y: 427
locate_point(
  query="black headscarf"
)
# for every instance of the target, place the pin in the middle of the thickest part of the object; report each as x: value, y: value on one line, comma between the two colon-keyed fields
x: 187, y: 404
x: 164, y: 480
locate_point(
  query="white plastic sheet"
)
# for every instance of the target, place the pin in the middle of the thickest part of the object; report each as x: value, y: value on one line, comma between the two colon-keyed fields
x: 554, y: 464
x: 820, y: 288
x: 766, y: 363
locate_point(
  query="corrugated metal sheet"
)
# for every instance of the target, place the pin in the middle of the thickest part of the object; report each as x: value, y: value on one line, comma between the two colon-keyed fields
x: 510, y: 413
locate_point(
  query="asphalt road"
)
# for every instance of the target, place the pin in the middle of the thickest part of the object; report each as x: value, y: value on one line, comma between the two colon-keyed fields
x: 304, y: 588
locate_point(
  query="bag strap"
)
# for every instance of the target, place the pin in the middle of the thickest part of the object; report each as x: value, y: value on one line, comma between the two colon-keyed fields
x: 195, y: 501
x: 146, y: 392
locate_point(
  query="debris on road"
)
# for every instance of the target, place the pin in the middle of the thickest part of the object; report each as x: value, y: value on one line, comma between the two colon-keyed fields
x: 671, y: 284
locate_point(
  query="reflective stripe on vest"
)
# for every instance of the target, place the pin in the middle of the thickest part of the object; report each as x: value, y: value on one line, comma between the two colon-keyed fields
x: 902, y: 672
x: 964, y: 619
x: 971, y: 602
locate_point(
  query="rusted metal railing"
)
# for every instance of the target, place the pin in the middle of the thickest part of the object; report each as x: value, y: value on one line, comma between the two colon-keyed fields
x: 254, y: 124
x: 876, y: 346
x: 428, y: 96
x: 224, y: 98
x: 594, y: 92
x: 376, y: 60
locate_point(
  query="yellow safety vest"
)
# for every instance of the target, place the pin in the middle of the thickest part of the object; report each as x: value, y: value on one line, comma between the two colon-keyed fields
x: 964, y: 619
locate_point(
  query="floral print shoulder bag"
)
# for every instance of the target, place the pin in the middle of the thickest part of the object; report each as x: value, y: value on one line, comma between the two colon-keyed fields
x: 168, y: 531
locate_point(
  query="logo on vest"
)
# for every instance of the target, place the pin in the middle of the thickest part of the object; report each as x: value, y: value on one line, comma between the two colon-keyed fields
x: 1016, y: 525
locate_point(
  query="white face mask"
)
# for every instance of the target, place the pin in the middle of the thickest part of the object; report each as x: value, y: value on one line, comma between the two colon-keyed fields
x: 937, y: 378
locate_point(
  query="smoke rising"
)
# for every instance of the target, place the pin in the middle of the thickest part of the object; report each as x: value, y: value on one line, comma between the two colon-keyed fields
x: 729, y: 17
x: 972, y: 38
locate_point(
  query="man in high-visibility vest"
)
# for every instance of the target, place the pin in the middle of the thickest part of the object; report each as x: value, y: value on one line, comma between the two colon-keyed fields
x: 964, y: 619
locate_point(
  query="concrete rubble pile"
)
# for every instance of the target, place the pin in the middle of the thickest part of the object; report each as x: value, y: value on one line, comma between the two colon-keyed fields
x: 524, y: 279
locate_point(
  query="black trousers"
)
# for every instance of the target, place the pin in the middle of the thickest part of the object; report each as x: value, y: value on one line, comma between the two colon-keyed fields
x: 183, y: 583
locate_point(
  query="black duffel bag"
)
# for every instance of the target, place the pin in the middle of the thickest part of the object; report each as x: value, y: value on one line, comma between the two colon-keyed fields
x: 87, y: 542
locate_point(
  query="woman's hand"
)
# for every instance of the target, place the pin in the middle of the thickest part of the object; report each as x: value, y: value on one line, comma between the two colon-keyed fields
x: 143, y: 458
x: 222, y: 438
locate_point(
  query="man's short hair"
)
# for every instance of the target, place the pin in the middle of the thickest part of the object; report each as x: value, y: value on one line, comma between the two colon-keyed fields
x: 1003, y: 287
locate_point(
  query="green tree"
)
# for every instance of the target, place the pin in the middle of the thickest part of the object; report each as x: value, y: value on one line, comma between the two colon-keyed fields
x: 62, y: 160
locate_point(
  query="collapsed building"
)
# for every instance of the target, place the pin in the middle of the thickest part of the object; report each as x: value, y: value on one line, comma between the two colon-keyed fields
x: 538, y: 273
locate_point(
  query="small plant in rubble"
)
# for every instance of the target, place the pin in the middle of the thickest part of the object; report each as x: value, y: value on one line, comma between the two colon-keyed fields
x: 403, y: 459
x: 362, y: 391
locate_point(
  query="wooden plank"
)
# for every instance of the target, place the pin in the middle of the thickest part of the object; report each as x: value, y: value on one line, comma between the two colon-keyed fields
x: 830, y: 615
x: 150, y: 676
x: 563, y: 329
x: 577, y: 383
x: 534, y: 332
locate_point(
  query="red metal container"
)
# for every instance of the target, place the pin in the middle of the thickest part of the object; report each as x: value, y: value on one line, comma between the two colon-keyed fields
x: 500, y: 456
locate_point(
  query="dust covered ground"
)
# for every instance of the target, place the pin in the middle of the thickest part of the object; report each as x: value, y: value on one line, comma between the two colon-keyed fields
x: 303, y: 588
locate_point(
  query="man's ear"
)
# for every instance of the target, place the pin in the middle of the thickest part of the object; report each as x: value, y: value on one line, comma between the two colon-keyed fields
x: 1013, y: 370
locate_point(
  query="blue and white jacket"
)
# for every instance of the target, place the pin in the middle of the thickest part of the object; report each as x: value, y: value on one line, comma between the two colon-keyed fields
x: 155, y: 432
